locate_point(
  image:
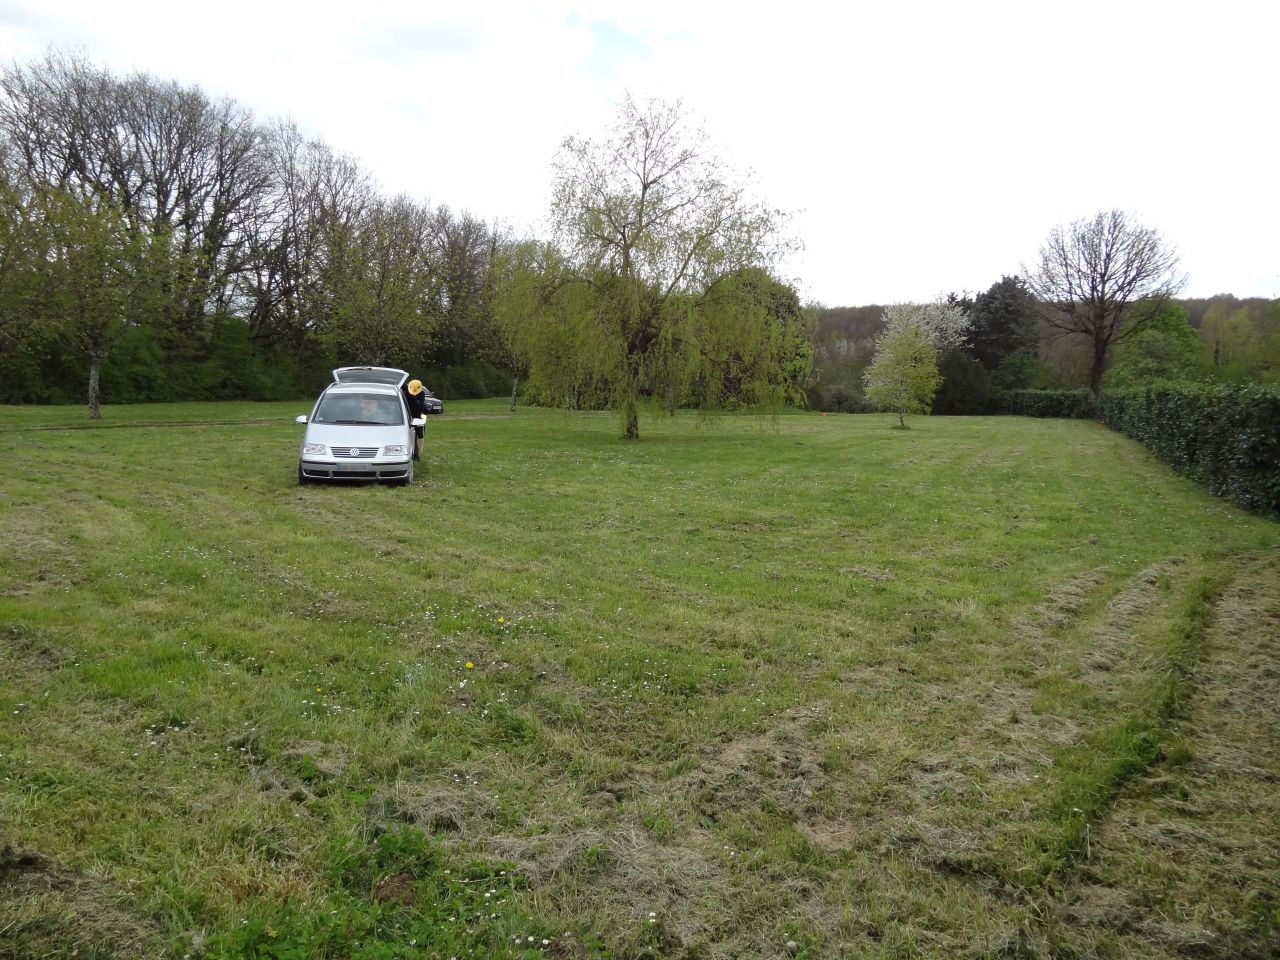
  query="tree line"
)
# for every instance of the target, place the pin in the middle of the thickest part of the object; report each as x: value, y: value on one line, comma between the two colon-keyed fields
x: 1013, y: 344
x: 159, y: 244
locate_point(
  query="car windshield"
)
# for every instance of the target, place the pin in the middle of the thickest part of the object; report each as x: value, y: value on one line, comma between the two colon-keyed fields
x: 370, y: 409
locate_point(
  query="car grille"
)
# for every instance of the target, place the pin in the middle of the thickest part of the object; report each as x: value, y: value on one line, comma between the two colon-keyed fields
x: 364, y: 453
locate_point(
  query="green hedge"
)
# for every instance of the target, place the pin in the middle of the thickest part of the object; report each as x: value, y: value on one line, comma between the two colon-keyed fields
x: 1068, y: 404
x: 1226, y: 437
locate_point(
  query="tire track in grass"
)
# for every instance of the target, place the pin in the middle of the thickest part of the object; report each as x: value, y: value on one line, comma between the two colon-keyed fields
x: 1033, y: 756
x: 1186, y: 862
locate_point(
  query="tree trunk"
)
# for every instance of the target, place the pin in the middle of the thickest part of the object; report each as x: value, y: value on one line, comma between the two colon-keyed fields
x: 515, y: 386
x: 1097, y: 368
x: 902, y: 421
x: 95, y: 373
x: 633, y: 420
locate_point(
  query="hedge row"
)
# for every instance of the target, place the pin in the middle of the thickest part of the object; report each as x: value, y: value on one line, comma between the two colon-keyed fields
x: 1226, y: 437
x: 1068, y: 404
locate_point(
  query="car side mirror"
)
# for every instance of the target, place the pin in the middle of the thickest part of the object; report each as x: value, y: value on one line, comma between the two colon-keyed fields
x: 419, y: 421
x: 300, y: 419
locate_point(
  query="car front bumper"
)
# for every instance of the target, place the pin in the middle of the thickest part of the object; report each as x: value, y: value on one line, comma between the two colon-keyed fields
x: 355, y: 469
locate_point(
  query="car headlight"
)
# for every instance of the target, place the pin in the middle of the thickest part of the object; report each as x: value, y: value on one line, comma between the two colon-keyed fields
x: 395, y: 450
x: 314, y: 448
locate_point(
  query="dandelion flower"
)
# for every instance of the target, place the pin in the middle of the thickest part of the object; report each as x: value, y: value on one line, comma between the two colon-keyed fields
x: 470, y: 665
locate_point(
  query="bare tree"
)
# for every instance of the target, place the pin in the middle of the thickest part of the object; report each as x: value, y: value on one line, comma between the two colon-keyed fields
x: 317, y: 198
x: 1102, y: 279
x: 380, y: 283
x: 462, y: 251
x: 176, y: 164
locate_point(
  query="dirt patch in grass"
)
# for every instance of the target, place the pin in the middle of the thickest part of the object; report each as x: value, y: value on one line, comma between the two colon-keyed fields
x: 643, y: 853
x: 648, y: 897
x: 641, y: 894
x: 49, y: 911
x: 26, y: 653
x: 46, y: 559
x: 1113, y: 640
x: 1188, y: 861
x: 781, y: 765
x: 1110, y: 660
x: 315, y: 759
x: 301, y: 772
x: 452, y: 805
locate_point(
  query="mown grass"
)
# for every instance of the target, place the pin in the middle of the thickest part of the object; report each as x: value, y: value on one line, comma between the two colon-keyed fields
x: 740, y: 684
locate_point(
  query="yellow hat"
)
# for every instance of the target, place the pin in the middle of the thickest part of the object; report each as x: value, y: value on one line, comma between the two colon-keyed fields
x: 415, y: 387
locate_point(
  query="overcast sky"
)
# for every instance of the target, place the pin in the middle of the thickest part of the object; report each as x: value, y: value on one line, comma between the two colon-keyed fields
x: 924, y: 147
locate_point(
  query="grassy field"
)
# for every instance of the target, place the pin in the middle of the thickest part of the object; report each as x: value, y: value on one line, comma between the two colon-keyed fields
x: 805, y: 687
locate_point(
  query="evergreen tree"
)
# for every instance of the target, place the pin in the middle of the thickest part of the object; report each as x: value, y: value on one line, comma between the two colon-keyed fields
x: 1003, y: 321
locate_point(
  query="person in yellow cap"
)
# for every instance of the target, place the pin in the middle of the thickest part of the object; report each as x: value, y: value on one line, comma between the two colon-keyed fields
x: 416, y: 401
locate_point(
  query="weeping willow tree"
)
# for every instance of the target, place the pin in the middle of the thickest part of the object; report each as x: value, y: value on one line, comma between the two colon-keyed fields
x: 754, y: 345
x: 540, y: 312
x: 649, y: 294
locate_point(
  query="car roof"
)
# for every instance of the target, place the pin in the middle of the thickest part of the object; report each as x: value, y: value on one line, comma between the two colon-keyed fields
x: 391, y: 375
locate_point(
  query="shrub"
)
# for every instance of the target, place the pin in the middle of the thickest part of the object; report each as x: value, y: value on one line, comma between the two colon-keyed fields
x: 469, y: 380
x: 966, y: 386
x: 1069, y: 404
x: 1020, y: 371
x: 1226, y: 437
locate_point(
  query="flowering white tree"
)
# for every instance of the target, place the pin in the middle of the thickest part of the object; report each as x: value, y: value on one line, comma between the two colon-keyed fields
x: 904, y: 376
x: 945, y: 325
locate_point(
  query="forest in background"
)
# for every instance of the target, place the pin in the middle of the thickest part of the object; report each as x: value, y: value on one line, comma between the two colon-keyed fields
x: 158, y: 244
x: 1220, y: 339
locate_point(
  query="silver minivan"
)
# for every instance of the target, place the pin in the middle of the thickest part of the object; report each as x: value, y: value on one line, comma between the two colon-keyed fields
x: 359, y: 429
